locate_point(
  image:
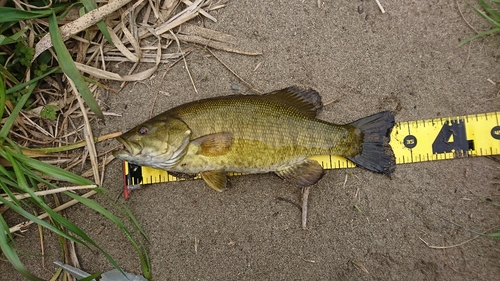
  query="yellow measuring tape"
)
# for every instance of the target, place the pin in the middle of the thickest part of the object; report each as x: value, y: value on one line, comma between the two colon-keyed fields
x: 411, y: 141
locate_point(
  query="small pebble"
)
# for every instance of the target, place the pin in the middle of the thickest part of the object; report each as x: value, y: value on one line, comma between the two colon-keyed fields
x: 361, y: 9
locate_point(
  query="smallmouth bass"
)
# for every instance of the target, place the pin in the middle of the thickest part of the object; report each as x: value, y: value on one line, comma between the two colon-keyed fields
x: 276, y: 132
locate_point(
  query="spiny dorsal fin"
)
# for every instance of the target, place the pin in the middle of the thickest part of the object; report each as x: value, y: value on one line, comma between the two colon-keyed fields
x: 308, y: 101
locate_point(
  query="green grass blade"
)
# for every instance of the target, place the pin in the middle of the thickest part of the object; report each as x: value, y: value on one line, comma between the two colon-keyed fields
x: 484, y: 15
x: 3, y: 97
x: 91, y: 277
x: 4, y: 40
x: 479, y: 35
x: 135, y: 223
x: 69, y: 68
x: 8, y: 75
x: 52, y: 171
x: 11, y: 255
x: 494, y: 235
x: 9, y: 194
x: 494, y: 14
x: 57, y: 218
x: 19, y: 87
x: 92, y: 5
x: 10, y: 120
x: 6, y: 180
x: 141, y: 251
x: 61, y: 174
x: 100, y: 209
x: 40, y: 222
x: 14, y: 15
x: 125, y: 212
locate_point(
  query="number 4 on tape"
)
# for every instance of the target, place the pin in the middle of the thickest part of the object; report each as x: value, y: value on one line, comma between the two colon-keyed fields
x: 411, y: 141
x: 446, y: 138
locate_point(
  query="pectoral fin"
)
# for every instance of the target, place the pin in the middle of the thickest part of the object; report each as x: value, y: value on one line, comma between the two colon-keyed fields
x: 215, y: 179
x: 214, y: 144
x: 302, y: 174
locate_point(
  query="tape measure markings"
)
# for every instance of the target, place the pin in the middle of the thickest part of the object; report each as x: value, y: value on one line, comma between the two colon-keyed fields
x: 411, y: 141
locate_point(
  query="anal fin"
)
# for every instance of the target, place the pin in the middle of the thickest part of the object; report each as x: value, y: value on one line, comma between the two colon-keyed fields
x: 302, y: 174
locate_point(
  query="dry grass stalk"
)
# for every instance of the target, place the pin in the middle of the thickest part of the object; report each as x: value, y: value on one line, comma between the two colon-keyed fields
x: 234, y: 73
x: 185, y: 63
x: 89, y: 138
x: 51, y: 191
x: 23, y: 225
x: 105, y: 162
x: 448, y: 247
x: 42, y: 245
x: 161, y: 23
x: 187, y: 14
x: 80, y: 24
x: 130, y: 44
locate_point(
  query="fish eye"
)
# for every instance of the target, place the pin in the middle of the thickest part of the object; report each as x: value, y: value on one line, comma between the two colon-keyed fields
x: 142, y: 130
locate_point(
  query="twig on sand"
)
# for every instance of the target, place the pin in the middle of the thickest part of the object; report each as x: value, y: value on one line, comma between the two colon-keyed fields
x: 305, y: 197
x: 380, y: 7
x: 163, y: 79
x: 184, y: 59
x: 448, y: 247
x: 72, y: 254
x: 462, y: 15
x: 360, y: 265
x: 196, y: 243
x: 330, y: 102
x: 309, y: 261
x: 234, y: 73
x: 468, y: 56
x: 42, y: 245
x: 288, y: 201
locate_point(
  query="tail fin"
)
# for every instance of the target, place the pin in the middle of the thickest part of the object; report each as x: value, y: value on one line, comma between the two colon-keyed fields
x: 376, y: 153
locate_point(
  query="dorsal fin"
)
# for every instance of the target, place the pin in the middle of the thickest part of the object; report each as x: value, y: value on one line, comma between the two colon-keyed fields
x: 308, y: 101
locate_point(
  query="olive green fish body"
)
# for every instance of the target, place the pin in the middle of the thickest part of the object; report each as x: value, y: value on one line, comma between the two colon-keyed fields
x: 266, y: 135
x: 276, y: 132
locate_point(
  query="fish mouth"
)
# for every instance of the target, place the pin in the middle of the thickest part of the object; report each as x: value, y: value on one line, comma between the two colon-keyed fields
x: 127, y: 149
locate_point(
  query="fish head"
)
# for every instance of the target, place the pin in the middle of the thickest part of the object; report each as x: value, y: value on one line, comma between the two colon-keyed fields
x: 156, y: 143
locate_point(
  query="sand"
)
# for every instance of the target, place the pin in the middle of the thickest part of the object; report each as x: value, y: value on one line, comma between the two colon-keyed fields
x: 369, y: 227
